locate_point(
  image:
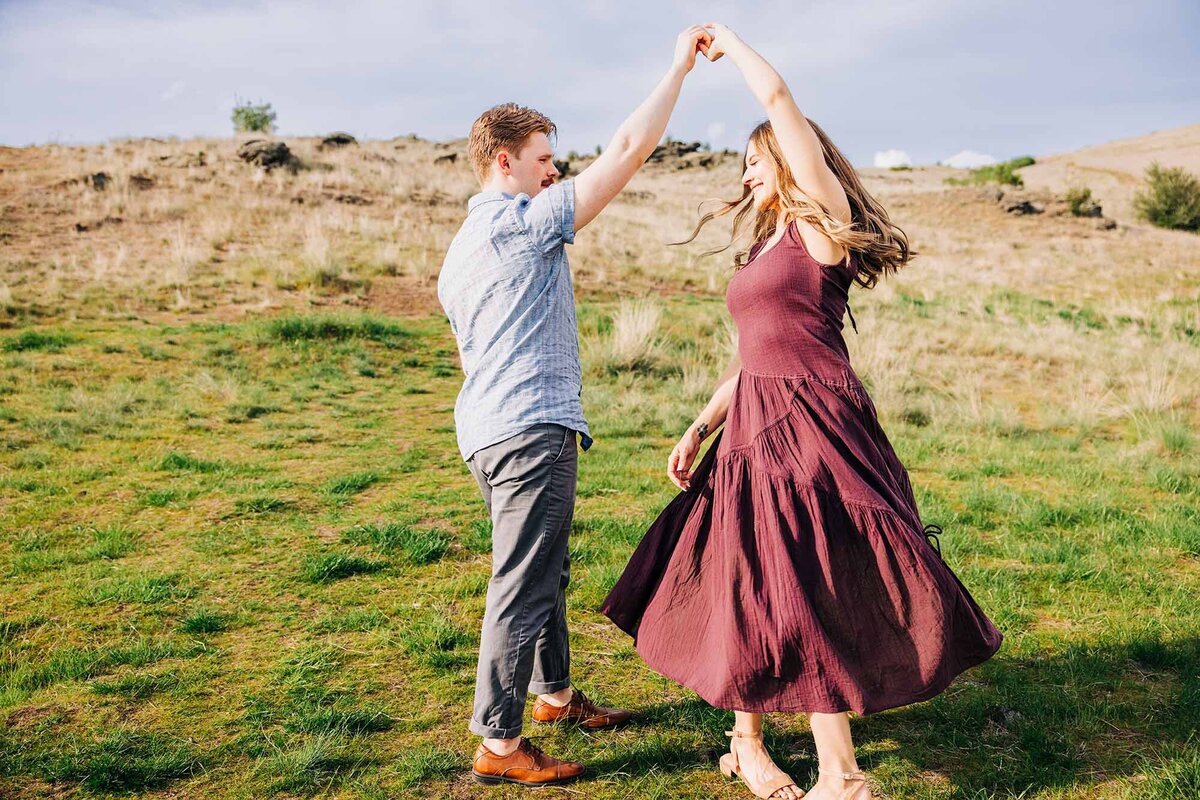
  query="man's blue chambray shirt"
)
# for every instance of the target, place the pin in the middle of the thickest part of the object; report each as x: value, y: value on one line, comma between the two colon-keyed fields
x: 506, y: 287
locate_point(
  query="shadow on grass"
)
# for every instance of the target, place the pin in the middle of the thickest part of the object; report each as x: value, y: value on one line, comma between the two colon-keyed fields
x: 1012, y: 727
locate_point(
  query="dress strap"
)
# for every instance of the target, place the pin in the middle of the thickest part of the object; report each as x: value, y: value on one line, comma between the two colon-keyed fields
x: 932, y: 532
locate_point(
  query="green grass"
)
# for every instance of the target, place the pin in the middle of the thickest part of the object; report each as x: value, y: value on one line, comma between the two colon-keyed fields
x: 336, y: 566
x: 257, y: 567
x: 418, y: 546
x: 49, y: 341
x: 203, y: 620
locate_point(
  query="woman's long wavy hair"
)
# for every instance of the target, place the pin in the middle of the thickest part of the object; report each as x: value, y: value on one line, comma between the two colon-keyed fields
x: 880, y: 246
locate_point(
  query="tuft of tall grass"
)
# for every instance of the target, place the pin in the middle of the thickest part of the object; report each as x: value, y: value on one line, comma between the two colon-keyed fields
x: 632, y: 344
x: 419, y: 546
x: 47, y: 341
x: 124, y: 760
x: 335, y: 327
x: 336, y: 566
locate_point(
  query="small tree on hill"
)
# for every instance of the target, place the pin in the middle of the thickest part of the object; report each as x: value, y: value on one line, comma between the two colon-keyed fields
x: 251, y: 117
x: 1171, y: 198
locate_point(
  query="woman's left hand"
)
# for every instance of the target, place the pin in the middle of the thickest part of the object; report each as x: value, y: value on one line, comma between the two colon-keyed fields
x: 721, y: 38
x: 679, y: 463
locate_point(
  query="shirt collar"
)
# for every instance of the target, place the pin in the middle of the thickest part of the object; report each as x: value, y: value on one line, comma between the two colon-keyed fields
x: 487, y: 197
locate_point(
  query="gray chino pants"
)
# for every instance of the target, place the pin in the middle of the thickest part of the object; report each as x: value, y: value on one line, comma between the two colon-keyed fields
x: 528, y: 485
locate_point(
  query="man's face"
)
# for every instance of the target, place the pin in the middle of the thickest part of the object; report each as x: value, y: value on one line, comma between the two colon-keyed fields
x: 533, y: 168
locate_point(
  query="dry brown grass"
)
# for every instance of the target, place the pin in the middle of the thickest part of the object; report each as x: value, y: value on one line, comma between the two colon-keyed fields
x: 1000, y: 317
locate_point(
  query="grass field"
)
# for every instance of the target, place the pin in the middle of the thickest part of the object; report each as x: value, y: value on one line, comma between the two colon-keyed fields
x: 241, y: 556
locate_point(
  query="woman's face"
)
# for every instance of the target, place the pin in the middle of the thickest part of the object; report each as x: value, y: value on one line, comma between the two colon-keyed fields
x: 759, y: 176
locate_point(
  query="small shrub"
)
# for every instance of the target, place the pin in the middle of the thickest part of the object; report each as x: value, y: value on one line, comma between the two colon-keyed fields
x: 253, y: 118
x: 1079, y: 198
x: 1002, y: 173
x: 1171, y: 198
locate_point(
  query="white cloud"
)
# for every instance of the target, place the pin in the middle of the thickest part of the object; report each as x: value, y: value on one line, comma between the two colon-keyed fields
x: 173, y: 91
x: 967, y: 159
x: 892, y: 158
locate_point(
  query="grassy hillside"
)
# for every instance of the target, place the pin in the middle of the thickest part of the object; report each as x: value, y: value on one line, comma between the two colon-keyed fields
x: 242, y: 557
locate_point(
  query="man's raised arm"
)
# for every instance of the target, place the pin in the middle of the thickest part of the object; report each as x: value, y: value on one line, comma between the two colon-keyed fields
x: 638, y: 135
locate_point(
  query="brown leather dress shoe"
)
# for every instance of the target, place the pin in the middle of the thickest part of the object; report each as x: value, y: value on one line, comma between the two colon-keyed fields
x: 581, y: 711
x: 526, y: 765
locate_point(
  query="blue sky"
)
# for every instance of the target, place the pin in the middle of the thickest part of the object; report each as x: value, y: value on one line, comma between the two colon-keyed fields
x: 927, y: 77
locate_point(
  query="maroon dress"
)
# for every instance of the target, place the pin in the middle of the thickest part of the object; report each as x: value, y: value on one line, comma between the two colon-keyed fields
x: 795, y: 574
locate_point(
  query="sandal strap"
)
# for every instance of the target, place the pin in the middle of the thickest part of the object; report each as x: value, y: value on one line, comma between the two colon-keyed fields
x: 744, y: 734
x: 846, y: 776
x: 780, y: 781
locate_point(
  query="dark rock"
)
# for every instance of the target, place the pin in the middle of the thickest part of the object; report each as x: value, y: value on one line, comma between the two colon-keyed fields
x: 637, y: 195
x: 83, y: 227
x: 1089, y: 210
x: 141, y: 182
x: 99, y: 181
x: 1022, y: 208
x: 698, y: 159
x: 184, y: 160
x: 1106, y: 224
x: 352, y: 199
x: 448, y: 158
x: 431, y: 198
x: 672, y: 149
x: 265, y: 154
x: 337, y: 139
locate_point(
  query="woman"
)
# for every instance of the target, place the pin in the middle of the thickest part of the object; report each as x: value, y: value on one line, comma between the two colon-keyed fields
x: 793, y: 574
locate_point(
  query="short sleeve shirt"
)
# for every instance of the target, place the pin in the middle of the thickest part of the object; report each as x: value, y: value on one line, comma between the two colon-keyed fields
x: 506, y: 288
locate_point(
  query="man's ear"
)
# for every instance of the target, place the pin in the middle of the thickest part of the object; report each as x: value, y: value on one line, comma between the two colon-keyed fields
x: 503, y: 162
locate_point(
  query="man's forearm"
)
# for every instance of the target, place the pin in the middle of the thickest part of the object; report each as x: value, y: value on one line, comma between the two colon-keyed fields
x: 642, y: 130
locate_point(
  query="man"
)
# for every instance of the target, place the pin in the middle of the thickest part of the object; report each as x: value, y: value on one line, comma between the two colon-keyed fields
x: 506, y: 288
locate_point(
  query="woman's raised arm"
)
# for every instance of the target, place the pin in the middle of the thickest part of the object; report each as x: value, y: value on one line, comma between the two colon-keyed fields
x: 797, y: 139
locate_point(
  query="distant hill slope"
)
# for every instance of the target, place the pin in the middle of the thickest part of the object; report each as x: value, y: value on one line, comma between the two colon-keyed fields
x: 1115, y: 171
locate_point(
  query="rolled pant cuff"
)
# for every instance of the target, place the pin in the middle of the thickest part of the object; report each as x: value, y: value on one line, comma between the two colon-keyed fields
x: 549, y: 688
x: 479, y: 729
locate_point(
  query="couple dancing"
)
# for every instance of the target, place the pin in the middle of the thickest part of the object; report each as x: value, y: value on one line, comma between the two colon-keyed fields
x: 792, y: 572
